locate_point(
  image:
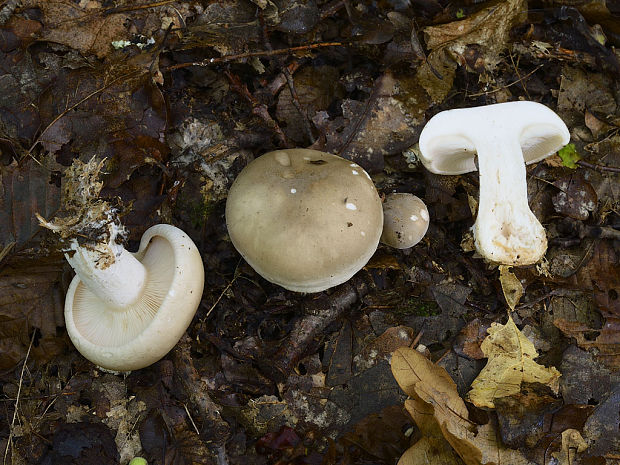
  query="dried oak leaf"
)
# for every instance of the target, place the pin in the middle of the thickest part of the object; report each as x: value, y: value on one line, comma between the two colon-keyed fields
x: 511, y: 362
x: 488, y: 30
x: 438, y: 410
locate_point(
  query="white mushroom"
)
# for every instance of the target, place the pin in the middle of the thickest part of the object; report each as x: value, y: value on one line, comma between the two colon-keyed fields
x: 504, y: 137
x: 123, y: 311
x: 304, y: 219
x: 405, y: 220
x: 128, y: 314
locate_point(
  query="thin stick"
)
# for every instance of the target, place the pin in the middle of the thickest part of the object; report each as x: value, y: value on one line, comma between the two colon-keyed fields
x: 592, y: 166
x: 261, y: 53
x: 19, y: 390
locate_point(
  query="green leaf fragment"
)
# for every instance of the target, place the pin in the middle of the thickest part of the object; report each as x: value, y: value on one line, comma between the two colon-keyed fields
x: 569, y: 156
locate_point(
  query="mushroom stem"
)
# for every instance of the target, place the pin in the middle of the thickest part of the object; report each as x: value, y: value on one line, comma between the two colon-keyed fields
x: 506, y: 230
x: 112, y: 274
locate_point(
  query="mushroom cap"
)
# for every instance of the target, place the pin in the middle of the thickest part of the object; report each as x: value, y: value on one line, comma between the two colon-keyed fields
x: 138, y: 335
x: 303, y: 219
x: 405, y: 220
x: 448, y: 141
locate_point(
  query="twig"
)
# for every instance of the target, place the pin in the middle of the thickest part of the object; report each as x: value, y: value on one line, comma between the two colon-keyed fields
x: 297, y: 104
x: 19, y: 390
x: 319, y: 314
x: 261, y: 53
x: 259, y: 109
x: 599, y: 168
x: 507, y: 85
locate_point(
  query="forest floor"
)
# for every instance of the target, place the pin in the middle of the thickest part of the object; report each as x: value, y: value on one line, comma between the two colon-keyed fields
x: 178, y: 97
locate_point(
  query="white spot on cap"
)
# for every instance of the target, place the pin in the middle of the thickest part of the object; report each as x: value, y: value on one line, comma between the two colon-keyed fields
x: 353, y: 165
x: 362, y: 233
x: 293, y: 190
x: 283, y: 158
x: 354, y: 172
x: 307, y: 158
x: 414, y: 218
x: 350, y: 206
x: 424, y: 214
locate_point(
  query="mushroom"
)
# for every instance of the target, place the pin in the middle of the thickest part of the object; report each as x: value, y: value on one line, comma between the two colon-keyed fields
x: 303, y: 219
x: 504, y: 137
x: 128, y: 314
x: 405, y: 220
x: 123, y: 311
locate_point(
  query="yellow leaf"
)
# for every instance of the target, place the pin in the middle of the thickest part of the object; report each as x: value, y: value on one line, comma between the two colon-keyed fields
x: 511, y: 361
x: 430, y: 451
x: 438, y: 411
x: 511, y: 286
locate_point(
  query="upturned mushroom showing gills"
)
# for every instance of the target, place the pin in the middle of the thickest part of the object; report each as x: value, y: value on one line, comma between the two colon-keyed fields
x: 128, y: 314
x: 303, y: 219
x: 504, y: 137
x: 405, y: 220
x: 123, y: 311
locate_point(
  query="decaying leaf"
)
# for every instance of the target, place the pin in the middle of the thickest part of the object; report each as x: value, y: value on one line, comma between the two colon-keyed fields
x: 572, y: 444
x: 438, y: 410
x: 511, y: 286
x: 511, y: 361
x: 487, y: 29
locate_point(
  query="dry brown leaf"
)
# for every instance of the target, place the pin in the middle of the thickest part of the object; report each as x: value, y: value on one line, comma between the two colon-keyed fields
x: 488, y: 29
x: 84, y: 26
x: 436, y: 407
x: 511, y: 361
x: 511, y: 286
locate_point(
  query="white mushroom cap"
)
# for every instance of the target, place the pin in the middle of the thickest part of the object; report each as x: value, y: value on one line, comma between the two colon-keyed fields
x: 141, y: 329
x: 405, y: 220
x: 504, y: 137
x: 304, y: 219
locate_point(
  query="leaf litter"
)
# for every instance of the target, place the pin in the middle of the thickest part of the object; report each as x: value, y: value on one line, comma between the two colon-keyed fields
x: 116, y: 81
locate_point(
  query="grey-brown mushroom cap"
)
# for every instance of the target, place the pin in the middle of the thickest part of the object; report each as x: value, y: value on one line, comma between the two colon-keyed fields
x: 303, y: 219
x: 405, y: 220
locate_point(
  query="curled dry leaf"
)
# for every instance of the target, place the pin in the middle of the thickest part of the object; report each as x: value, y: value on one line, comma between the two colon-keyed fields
x: 511, y: 361
x: 511, y: 286
x: 441, y: 414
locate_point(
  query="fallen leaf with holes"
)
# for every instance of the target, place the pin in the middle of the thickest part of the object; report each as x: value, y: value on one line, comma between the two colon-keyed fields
x: 511, y: 286
x: 511, y: 361
x: 438, y: 410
